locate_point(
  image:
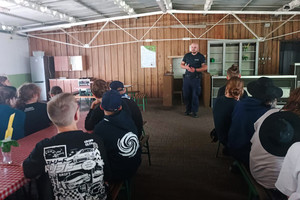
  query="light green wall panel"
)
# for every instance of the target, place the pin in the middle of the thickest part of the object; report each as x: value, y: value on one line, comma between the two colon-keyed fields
x: 18, y: 79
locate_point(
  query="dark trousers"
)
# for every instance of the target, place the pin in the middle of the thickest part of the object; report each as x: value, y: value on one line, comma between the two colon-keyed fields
x: 191, y: 93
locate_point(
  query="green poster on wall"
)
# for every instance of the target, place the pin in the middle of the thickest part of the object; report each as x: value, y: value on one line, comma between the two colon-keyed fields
x: 148, y: 56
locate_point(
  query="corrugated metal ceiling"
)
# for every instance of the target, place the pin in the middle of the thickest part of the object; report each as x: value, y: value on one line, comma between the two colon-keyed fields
x: 21, y: 17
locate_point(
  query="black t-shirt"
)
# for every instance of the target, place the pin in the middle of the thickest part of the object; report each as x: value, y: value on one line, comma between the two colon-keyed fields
x: 36, y: 117
x: 195, y: 61
x: 75, y: 162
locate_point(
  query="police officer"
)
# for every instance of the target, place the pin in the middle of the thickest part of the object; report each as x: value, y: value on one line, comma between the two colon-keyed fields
x: 194, y: 63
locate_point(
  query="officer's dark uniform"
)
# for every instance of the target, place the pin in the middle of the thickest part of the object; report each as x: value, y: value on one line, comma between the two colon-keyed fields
x: 192, y: 82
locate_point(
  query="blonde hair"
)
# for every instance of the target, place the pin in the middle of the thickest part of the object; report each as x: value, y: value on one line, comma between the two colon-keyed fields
x: 26, y: 92
x: 235, y: 87
x: 61, y: 109
x: 233, y: 71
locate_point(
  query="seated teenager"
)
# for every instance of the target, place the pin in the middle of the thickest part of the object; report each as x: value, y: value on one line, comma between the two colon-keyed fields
x: 245, y: 114
x: 95, y: 115
x: 136, y: 114
x: 232, y: 71
x: 8, y: 96
x: 265, y: 165
x: 288, y: 181
x: 4, y: 81
x: 224, y: 106
x: 74, y: 161
x: 55, y: 90
x: 36, y: 112
x: 120, y: 139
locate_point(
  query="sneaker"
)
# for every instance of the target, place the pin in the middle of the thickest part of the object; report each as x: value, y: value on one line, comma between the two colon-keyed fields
x: 186, y: 113
x: 195, y: 115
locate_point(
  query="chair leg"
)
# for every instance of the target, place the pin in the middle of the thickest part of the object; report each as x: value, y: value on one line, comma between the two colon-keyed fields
x: 128, y: 189
x: 218, y: 149
x: 148, y: 152
x: 144, y: 104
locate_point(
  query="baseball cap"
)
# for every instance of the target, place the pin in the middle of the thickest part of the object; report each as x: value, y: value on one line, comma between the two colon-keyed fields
x: 116, y: 84
x: 111, y: 101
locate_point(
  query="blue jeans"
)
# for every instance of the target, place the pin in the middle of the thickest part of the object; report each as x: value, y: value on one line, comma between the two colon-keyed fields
x: 191, y: 93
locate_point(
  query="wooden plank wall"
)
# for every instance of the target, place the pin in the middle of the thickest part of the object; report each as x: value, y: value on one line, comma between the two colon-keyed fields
x: 122, y: 62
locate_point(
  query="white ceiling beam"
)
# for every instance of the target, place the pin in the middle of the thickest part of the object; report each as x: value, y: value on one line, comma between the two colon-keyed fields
x: 280, y: 26
x: 207, y: 5
x: 247, y: 27
x: 159, y: 13
x: 99, y: 31
x: 213, y: 26
x: 235, y: 12
x: 43, y: 9
x: 246, y: 4
x: 183, y: 25
x: 151, y: 27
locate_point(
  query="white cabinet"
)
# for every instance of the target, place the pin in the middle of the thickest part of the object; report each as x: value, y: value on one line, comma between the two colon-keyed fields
x: 222, y: 54
x: 68, y: 63
x: 76, y: 63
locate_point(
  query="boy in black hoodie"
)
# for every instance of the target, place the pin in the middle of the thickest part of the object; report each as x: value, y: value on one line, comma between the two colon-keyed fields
x: 136, y: 114
x: 74, y: 161
x: 119, y: 135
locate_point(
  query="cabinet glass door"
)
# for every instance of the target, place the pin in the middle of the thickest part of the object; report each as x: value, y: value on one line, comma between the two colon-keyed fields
x: 231, y: 56
x: 216, y: 59
x: 247, y: 67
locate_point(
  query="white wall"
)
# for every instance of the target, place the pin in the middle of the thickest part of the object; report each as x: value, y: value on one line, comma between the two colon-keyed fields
x: 14, y: 54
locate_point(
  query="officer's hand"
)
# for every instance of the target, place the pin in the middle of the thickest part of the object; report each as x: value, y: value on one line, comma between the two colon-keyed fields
x: 188, y: 67
x: 192, y: 69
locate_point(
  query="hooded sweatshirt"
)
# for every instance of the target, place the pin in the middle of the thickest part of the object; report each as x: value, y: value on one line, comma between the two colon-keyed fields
x: 244, y: 115
x: 119, y: 135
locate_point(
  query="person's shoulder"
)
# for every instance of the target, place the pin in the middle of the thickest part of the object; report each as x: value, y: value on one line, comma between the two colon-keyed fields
x: 295, y: 148
x: 9, y: 110
x: 200, y: 54
x: 187, y: 55
x: 40, y: 104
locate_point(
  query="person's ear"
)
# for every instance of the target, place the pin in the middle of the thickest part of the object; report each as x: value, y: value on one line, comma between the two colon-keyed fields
x: 76, y: 116
x: 120, y: 108
x: 240, y: 75
x: 101, y: 107
x: 227, y: 77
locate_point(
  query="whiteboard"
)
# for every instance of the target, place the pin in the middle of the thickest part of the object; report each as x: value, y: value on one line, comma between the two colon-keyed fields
x: 177, y: 70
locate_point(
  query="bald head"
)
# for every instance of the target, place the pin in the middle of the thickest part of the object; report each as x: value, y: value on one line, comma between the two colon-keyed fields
x: 194, y: 48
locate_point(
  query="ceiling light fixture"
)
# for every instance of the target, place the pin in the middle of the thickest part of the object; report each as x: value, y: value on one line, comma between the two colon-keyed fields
x: 290, y: 6
x: 168, y: 4
x: 124, y: 6
x: 208, y: 4
x: 44, y: 9
x: 6, y: 28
